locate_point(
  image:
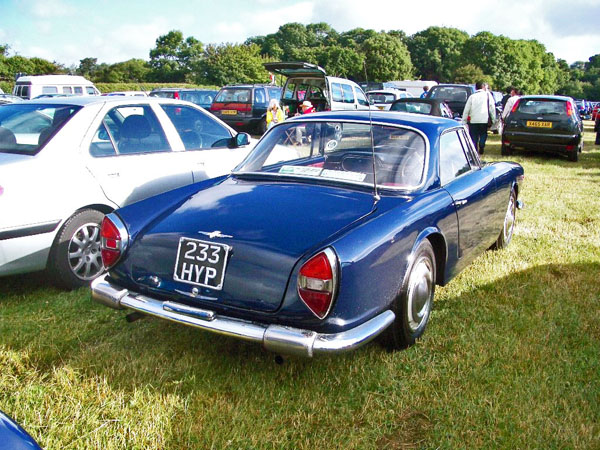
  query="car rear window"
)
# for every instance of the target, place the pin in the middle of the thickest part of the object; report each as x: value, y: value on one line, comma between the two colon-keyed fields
x: 340, y: 152
x: 540, y: 106
x: 449, y: 93
x: 412, y: 107
x: 234, y: 95
x: 381, y: 98
x: 25, y: 127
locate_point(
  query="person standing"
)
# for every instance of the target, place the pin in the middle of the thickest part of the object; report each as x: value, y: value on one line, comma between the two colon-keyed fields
x: 597, y: 129
x: 425, y: 90
x: 274, y: 113
x: 479, y: 113
x: 514, y: 96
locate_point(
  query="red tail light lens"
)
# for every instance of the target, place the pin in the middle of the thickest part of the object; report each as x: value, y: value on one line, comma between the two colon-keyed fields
x: 569, y: 109
x: 317, y: 282
x: 515, y: 106
x: 114, y: 240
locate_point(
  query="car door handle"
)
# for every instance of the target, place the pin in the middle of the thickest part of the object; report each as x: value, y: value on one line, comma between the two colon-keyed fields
x: 462, y: 202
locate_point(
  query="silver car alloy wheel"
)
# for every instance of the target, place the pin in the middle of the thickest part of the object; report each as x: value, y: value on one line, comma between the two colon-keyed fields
x: 509, y: 219
x: 84, y: 252
x: 420, y: 293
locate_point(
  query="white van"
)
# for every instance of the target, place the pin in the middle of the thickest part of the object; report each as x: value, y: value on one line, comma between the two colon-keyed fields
x: 28, y: 87
x: 310, y: 82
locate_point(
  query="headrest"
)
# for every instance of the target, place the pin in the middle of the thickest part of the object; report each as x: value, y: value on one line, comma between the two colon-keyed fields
x: 136, y: 127
x: 7, y: 137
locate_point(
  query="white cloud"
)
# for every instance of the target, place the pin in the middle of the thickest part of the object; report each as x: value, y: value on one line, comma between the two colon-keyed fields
x: 47, y: 9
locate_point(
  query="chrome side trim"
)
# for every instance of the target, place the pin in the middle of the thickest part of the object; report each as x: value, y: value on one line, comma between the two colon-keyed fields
x: 276, y: 338
x: 29, y: 230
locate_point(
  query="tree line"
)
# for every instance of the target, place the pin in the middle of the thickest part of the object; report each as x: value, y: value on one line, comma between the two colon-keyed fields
x: 442, y: 54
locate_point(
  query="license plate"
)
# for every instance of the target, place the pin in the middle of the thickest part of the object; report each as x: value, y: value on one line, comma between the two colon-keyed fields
x: 538, y: 124
x: 201, y: 263
x: 230, y: 112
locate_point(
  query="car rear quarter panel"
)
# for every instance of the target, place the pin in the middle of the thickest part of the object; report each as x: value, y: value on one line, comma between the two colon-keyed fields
x: 374, y: 256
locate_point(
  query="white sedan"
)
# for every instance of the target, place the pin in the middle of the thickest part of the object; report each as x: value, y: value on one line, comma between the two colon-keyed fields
x: 66, y: 162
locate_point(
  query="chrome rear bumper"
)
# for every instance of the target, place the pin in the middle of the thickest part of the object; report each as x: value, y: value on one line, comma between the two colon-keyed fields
x: 276, y: 338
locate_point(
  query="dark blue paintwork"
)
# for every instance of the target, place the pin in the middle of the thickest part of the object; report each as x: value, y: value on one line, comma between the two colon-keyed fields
x: 13, y: 437
x: 277, y: 225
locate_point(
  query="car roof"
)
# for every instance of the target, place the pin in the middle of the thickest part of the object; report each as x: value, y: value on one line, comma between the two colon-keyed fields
x: 431, y: 101
x: 84, y: 100
x: 430, y: 125
x: 564, y: 98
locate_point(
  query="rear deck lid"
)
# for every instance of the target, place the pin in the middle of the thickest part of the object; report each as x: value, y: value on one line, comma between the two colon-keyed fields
x: 295, y: 69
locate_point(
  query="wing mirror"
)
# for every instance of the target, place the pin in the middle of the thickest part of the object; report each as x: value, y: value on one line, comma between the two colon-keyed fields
x: 242, y: 139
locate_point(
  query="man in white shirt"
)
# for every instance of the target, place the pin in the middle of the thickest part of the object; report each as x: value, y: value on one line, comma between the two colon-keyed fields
x: 480, y: 107
x: 514, y: 96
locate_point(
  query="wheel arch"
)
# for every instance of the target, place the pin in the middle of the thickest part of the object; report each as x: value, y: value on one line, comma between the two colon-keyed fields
x: 440, y: 249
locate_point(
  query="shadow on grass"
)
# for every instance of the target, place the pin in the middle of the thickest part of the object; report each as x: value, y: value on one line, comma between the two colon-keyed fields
x: 547, y: 309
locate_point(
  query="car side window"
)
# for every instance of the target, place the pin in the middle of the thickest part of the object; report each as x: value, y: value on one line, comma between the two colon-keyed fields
x: 260, y: 97
x: 360, y: 96
x: 196, y: 129
x: 78, y: 90
x: 453, y: 161
x: 348, y: 93
x: 467, y: 144
x: 336, y: 92
x: 129, y: 129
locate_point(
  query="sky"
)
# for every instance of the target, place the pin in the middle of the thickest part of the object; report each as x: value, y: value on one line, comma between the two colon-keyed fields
x: 67, y: 31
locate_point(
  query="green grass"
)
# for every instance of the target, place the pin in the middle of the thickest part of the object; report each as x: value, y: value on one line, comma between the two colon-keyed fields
x: 511, y: 358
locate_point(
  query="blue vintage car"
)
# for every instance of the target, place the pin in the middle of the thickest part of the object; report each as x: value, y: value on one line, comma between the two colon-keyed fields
x: 14, y: 437
x: 336, y: 228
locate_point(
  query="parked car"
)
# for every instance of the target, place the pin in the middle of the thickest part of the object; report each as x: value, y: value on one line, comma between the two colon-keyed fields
x: 66, y: 162
x: 14, y: 437
x: 432, y: 107
x: 595, y: 112
x: 201, y: 97
x: 455, y: 95
x: 28, y: 87
x: 244, y: 106
x: 384, y: 98
x: 310, y: 82
x: 547, y: 123
x: 318, y: 247
x: 583, y: 108
x: 7, y: 98
x: 127, y: 94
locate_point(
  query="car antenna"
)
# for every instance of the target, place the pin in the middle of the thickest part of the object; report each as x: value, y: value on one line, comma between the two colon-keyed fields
x: 376, y: 196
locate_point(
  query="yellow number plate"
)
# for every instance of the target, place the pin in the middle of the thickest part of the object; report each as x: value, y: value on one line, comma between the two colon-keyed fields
x: 537, y: 124
x: 231, y: 112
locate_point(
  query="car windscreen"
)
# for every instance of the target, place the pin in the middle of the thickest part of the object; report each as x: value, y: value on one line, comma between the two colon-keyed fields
x: 26, y: 127
x: 449, y: 93
x: 412, y: 107
x: 340, y: 152
x: 234, y: 95
x: 541, y: 106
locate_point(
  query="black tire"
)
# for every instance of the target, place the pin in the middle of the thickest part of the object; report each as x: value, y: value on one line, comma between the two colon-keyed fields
x: 505, y: 150
x: 261, y: 128
x: 573, y: 155
x: 75, y: 255
x: 413, y: 304
x: 508, y: 226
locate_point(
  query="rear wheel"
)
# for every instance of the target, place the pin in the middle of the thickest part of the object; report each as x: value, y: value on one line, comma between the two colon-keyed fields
x: 573, y: 155
x: 75, y: 256
x: 509, y: 223
x: 413, y: 304
x: 505, y: 150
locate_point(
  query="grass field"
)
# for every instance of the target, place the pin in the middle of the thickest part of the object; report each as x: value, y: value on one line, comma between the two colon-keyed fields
x: 511, y: 358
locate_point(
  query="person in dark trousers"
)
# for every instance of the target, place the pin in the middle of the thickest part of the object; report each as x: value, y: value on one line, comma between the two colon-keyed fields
x: 479, y: 114
x: 597, y: 130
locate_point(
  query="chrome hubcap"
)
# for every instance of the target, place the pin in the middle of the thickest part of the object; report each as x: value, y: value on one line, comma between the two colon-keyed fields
x: 84, y: 252
x: 509, y: 219
x: 420, y: 293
